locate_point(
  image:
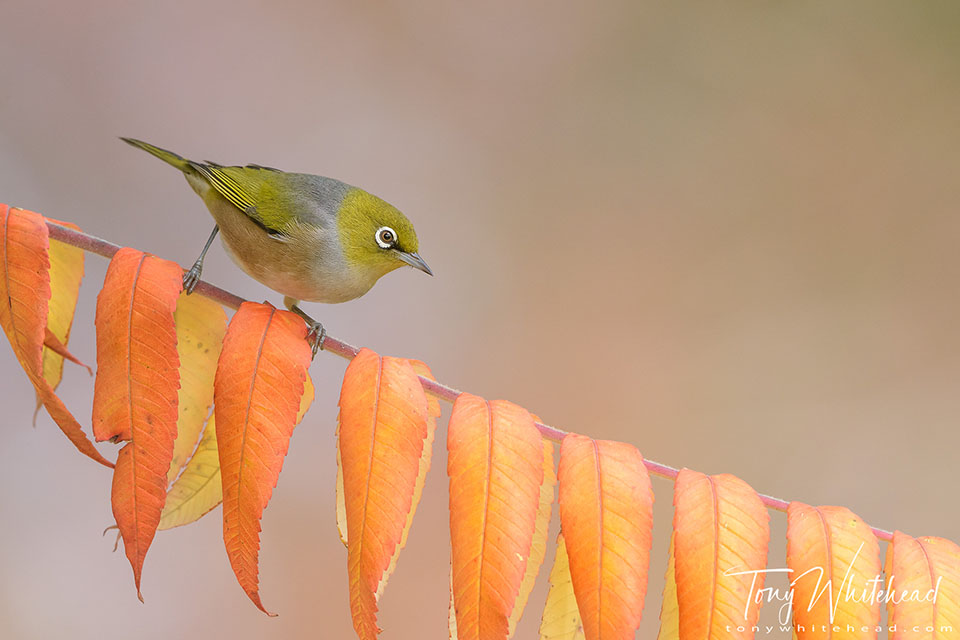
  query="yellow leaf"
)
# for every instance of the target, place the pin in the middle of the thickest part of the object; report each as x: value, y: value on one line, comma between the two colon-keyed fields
x: 66, y: 272
x: 341, y: 503
x: 670, y: 608
x: 199, y: 490
x: 201, y: 325
x: 561, y: 616
x: 538, y: 547
x: 452, y: 614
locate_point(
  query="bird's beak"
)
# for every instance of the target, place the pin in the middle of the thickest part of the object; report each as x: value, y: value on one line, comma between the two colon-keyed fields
x: 415, y: 261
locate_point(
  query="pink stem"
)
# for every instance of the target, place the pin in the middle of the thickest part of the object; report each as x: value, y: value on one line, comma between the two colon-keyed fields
x: 106, y: 249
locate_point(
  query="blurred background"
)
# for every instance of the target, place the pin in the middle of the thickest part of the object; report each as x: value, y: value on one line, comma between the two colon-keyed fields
x: 727, y: 235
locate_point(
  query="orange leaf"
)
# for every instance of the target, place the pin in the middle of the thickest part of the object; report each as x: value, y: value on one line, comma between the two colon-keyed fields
x: 25, y: 288
x: 137, y: 362
x: 433, y: 410
x: 421, y: 369
x: 495, y: 465
x: 382, y: 436
x: 257, y: 392
x: 606, y: 515
x: 201, y: 325
x: 721, y: 530
x: 929, y: 567
x: 26, y: 284
x: 51, y: 343
x: 828, y: 550
x: 135, y: 391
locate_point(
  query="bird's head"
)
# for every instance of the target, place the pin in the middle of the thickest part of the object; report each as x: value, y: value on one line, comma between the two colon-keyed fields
x: 375, y: 236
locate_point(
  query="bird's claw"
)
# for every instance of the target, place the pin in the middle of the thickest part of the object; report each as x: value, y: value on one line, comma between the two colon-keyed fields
x: 192, y: 277
x: 315, y: 336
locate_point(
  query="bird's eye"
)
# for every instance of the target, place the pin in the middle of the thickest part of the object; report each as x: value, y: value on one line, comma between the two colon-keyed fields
x: 386, y: 237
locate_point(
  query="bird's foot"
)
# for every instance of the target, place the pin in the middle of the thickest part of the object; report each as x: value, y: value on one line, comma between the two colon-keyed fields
x: 192, y: 277
x: 315, y: 336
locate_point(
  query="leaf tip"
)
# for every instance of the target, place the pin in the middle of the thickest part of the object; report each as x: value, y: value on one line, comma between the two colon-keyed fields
x: 255, y: 598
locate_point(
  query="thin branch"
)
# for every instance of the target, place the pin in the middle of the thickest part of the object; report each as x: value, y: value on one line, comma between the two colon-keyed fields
x: 343, y: 349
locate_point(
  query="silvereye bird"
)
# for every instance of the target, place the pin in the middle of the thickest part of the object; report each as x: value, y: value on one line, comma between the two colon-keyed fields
x: 308, y: 237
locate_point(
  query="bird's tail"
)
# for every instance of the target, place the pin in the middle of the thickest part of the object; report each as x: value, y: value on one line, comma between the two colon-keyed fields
x: 167, y: 156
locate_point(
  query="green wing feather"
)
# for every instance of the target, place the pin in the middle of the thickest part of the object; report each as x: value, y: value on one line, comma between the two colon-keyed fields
x: 269, y: 196
x: 252, y: 189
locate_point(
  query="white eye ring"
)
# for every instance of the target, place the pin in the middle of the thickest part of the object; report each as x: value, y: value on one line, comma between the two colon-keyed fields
x: 386, y: 237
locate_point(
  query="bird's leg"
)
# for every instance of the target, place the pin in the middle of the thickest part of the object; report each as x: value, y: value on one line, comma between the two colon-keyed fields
x: 192, y: 277
x: 316, y: 334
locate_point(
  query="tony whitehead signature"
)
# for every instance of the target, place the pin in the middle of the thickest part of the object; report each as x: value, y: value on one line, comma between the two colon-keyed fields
x: 872, y: 591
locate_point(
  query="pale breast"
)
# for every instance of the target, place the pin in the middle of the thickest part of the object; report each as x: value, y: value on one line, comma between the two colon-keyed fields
x: 308, y: 265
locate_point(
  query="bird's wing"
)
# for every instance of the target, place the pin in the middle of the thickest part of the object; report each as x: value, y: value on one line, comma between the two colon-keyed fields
x: 252, y: 189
